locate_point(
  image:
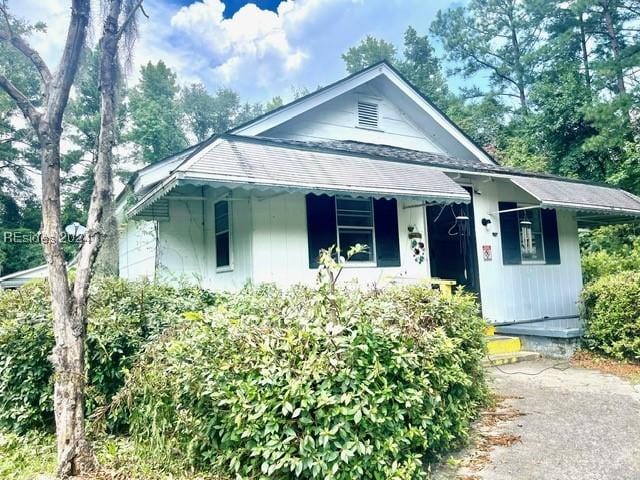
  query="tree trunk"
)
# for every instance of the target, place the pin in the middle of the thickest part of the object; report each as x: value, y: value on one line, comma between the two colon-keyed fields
x: 74, y: 452
x: 517, y: 62
x: 585, y: 52
x: 615, y: 48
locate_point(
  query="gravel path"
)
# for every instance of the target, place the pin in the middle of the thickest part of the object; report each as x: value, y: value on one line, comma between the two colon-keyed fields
x: 572, y: 424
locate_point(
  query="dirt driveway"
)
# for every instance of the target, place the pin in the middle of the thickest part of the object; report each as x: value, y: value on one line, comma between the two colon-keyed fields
x: 563, y: 423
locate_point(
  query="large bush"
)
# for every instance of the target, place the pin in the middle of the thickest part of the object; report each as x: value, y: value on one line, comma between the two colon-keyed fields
x: 312, y: 383
x: 122, y: 317
x: 611, y: 310
x: 609, y: 250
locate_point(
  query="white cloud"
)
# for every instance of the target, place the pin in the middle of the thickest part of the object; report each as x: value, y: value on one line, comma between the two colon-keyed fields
x: 259, y: 53
x: 251, y: 37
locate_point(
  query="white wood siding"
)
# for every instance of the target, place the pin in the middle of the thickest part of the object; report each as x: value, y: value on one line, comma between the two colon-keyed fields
x: 241, y: 249
x: 524, y: 292
x: 137, y: 250
x: 281, y: 251
x: 181, y: 250
x: 337, y: 120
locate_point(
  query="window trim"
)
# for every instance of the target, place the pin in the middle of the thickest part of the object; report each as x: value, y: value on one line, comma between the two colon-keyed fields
x: 229, y: 231
x: 374, y: 258
x: 539, y: 261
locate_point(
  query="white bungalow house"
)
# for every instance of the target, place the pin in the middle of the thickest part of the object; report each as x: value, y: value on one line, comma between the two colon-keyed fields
x: 366, y: 160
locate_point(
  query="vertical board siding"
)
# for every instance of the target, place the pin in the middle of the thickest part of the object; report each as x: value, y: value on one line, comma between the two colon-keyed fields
x: 137, y: 250
x: 512, y: 293
x: 281, y: 250
x: 241, y: 250
x: 181, y: 248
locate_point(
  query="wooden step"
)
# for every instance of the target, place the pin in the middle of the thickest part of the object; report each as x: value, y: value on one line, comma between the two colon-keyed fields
x: 497, y: 344
x: 507, y: 358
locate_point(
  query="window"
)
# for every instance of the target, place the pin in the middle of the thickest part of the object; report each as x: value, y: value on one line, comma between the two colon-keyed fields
x: 528, y: 235
x: 368, y: 115
x: 355, y: 225
x: 372, y: 222
x: 531, y: 238
x: 223, y: 234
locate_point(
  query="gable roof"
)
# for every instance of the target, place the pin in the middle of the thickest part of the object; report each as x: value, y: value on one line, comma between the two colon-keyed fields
x: 269, y: 120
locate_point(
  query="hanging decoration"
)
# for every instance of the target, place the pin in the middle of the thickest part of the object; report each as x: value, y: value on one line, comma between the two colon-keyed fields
x: 417, y: 244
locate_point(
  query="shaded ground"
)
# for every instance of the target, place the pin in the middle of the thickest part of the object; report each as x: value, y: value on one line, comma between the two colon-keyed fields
x: 564, y: 423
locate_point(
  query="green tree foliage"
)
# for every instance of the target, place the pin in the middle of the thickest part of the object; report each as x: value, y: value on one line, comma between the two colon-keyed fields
x: 371, y: 50
x: 156, y: 117
x: 501, y: 37
x: 210, y: 114
x: 18, y: 151
x: 423, y: 68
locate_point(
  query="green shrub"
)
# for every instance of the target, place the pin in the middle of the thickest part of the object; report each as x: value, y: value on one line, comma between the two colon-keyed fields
x: 611, y: 310
x: 26, y: 341
x: 122, y: 317
x: 608, y: 250
x: 304, y: 383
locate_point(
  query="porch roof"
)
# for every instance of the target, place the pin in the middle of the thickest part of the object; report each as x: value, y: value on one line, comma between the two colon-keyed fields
x: 248, y: 163
x: 593, y: 203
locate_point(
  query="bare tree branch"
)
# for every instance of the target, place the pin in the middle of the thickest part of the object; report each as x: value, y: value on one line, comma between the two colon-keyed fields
x: 27, y: 108
x: 64, y: 76
x: 130, y: 17
x: 22, y: 46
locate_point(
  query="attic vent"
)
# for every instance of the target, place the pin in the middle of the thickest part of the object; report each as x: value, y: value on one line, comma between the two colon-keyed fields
x: 368, y: 115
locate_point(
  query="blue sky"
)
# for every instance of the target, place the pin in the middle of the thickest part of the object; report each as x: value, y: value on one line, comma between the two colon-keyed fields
x: 259, y: 49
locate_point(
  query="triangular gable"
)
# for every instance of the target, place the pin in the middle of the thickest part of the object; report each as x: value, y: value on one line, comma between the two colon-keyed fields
x: 439, y: 133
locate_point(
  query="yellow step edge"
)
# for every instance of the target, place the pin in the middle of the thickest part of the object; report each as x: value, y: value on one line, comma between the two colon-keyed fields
x: 490, y: 330
x: 499, y: 345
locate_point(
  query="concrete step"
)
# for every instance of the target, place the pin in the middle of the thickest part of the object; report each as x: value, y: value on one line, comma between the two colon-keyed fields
x: 507, y: 358
x: 497, y: 344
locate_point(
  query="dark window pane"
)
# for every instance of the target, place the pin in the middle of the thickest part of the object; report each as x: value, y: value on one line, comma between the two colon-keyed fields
x: 222, y: 224
x: 349, y: 237
x: 356, y: 204
x: 355, y: 220
x: 222, y: 250
x: 222, y: 216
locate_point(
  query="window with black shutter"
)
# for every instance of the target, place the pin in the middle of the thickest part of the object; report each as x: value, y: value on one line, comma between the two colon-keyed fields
x: 346, y: 221
x: 528, y: 235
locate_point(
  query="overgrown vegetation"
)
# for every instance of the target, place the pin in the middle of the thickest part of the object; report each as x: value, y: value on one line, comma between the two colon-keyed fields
x: 274, y: 384
x: 123, y: 316
x: 308, y: 382
x: 611, y: 310
x: 608, y: 250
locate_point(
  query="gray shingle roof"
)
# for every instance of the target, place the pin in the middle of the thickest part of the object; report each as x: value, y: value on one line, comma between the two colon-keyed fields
x: 579, y: 196
x: 342, y: 166
x: 246, y: 160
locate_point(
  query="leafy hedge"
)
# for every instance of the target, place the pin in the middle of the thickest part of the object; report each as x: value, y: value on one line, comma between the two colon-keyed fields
x: 123, y: 316
x: 311, y: 383
x: 611, y: 310
x: 608, y: 250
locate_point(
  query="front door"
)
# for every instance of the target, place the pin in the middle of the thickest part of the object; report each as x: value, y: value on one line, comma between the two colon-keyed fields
x: 452, y: 243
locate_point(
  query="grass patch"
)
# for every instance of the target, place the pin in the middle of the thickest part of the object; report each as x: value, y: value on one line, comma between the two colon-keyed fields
x: 26, y: 457
x: 34, y: 456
